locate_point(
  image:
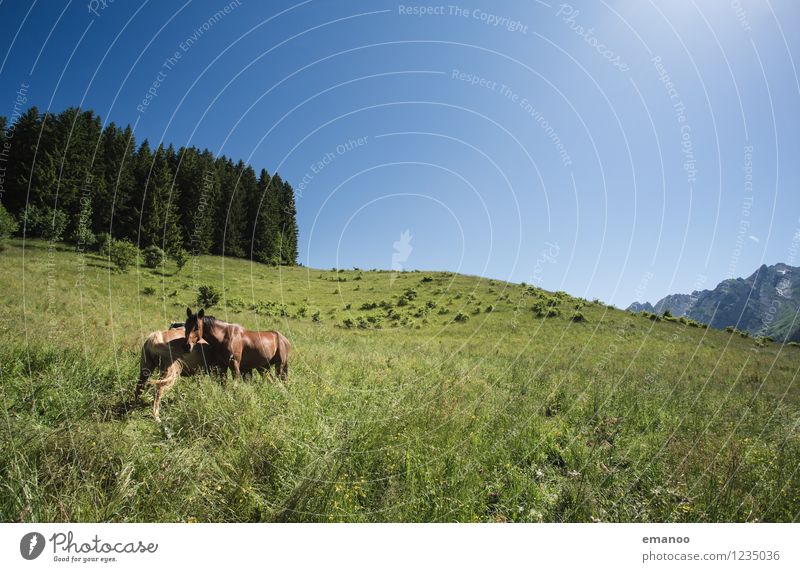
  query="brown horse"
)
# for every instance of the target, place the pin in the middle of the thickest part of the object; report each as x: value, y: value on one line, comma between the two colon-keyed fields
x: 243, y: 350
x: 166, y: 351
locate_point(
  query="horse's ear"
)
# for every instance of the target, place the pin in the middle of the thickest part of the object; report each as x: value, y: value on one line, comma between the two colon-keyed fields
x: 188, y: 312
x: 201, y: 313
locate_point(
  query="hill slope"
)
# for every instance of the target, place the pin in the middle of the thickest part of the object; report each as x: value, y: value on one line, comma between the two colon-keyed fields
x: 764, y: 304
x: 394, y: 411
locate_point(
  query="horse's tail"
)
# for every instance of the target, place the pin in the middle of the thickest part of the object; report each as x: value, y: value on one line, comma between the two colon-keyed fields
x: 170, y: 376
x: 147, y: 363
x: 283, y: 349
x: 168, y: 379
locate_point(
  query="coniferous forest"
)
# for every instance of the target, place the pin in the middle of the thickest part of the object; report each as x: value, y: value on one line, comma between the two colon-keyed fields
x: 67, y: 178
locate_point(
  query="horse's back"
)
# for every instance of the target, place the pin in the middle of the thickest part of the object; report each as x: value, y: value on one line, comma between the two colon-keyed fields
x: 263, y: 348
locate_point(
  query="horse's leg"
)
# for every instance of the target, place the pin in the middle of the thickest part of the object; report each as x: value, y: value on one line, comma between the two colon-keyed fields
x: 157, y: 402
x: 235, y: 359
x: 283, y: 370
x: 145, y: 370
x: 144, y: 375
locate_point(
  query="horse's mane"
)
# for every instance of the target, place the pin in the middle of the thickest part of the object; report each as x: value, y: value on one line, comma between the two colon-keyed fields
x: 211, y: 321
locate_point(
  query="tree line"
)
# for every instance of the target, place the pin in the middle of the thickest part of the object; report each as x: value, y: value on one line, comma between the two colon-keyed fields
x: 66, y: 177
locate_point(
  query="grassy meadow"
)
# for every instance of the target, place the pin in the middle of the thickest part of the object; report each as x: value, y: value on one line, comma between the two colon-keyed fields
x: 416, y: 396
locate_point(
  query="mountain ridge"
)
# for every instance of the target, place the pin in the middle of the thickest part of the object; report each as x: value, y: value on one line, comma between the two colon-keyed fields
x: 764, y: 304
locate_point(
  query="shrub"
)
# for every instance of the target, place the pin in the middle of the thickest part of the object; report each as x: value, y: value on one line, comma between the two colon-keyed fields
x: 83, y: 237
x: 793, y: 344
x: 207, y: 296
x: 153, y: 257
x: 425, y: 279
x: 46, y: 223
x: 181, y: 257
x: 103, y: 243
x: 369, y: 306
x: 8, y: 225
x: 410, y: 294
x: 348, y: 323
x: 461, y: 317
x: 122, y: 253
x: 489, y: 309
x: 578, y: 317
x: 148, y: 291
x: 315, y: 317
x: 82, y: 234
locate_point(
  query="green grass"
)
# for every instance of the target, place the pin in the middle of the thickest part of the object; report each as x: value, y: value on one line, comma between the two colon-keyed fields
x: 393, y: 412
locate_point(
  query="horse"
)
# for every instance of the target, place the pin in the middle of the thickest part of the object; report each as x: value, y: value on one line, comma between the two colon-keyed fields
x: 244, y: 351
x: 166, y: 350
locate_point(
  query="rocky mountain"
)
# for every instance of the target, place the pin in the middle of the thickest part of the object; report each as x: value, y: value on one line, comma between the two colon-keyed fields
x: 765, y: 304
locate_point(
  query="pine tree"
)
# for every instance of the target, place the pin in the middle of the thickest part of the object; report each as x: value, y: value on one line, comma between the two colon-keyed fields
x: 114, y: 210
x: 172, y: 199
x: 31, y: 174
x: 160, y: 221
x: 288, y: 217
x: 231, y: 215
x: 266, y: 222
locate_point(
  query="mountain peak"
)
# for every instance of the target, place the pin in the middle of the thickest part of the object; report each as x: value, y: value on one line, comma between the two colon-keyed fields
x: 764, y: 304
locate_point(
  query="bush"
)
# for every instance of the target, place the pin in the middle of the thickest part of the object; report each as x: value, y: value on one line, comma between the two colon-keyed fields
x: 489, y: 309
x: 153, y: 257
x: 315, y: 317
x: 578, y: 317
x: 461, y: 317
x: 148, y: 291
x: 181, y: 257
x: 410, y: 294
x: 8, y: 225
x: 82, y: 234
x: 103, y: 243
x: 46, y: 223
x: 207, y: 296
x: 122, y: 253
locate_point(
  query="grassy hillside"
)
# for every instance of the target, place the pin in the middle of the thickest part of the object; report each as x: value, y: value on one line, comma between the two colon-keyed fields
x: 446, y: 398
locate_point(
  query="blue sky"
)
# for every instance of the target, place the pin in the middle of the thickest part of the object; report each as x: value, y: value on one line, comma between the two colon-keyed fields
x: 617, y: 150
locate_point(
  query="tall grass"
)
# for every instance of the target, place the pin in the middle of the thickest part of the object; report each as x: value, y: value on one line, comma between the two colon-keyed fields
x: 506, y: 417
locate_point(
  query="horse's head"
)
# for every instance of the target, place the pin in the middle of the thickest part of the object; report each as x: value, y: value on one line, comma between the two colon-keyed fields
x: 193, y: 328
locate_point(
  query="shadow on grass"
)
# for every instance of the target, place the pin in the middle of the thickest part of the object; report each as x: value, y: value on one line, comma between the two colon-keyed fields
x: 122, y: 409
